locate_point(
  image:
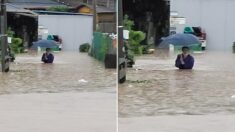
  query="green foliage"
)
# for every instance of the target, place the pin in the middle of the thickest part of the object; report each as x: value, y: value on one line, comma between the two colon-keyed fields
x: 234, y: 47
x: 84, y: 47
x: 10, y: 33
x: 17, y: 45
x: 130, y: 58
x: 58, y: 8
x: 128, y: 24
x: 135, y: 37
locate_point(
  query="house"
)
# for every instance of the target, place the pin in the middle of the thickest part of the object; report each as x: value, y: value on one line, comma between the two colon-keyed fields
x: 106, y: 12
x: 216, y: 17
x: 24, y: 21
x: 74, y: 29
x: 33, y: 3
x: 104, y: 3
x: 27, y: 18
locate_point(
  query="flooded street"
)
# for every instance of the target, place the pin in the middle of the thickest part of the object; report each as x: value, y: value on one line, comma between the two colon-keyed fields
x: 70, y: 72
x: 157, y: 92
x: 75, y: 93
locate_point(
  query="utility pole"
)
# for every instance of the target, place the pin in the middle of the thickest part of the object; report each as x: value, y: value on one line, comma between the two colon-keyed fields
x: 121, y: 55
x: 94, y: 15
x: 3, y: 34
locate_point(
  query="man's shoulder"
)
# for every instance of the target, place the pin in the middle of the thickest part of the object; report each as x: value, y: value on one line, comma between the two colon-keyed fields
x: 179, y: 55
x: 191, y: 56
x: 51, y: 55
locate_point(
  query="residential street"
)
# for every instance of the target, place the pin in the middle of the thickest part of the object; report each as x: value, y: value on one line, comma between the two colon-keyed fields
x: 167, y: 99
x: 73, y: 94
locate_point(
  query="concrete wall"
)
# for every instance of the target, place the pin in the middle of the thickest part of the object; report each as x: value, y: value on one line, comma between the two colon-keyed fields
x: 73, y: 29
x: 215, y: 16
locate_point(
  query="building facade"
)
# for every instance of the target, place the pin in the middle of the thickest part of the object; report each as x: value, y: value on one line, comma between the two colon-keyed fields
x: 216, y: 17
x: 74, y: 30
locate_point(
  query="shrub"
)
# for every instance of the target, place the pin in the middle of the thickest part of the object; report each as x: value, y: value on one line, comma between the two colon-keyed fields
x: 58, y: 8
x: 128, y: 24
x: 234, y: 47
x: 10, y: 33
x: 135, y: 37
x: 17, y: 45
x: 134, y: 42
x: 84, y: 47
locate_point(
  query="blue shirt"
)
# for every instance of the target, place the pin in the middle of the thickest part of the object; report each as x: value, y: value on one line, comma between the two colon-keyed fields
x: 48, y: 58
x: 188, y: 62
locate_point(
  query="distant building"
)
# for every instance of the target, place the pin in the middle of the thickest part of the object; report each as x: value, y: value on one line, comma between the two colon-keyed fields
x: 104, y: 3
x: 106, y: 12
x: 216, y: 17
x: 24, y: 21
x: 30, y: 19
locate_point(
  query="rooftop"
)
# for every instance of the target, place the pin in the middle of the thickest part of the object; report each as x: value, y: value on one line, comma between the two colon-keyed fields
x: 33, y: 3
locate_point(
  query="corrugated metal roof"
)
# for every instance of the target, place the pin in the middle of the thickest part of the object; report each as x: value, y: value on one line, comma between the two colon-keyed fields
x: 59, y: 13
x: 105, y: 3
x: 34, y: 3
x: 77, y: 3
x: 11, y: 8
x: 20, y: 11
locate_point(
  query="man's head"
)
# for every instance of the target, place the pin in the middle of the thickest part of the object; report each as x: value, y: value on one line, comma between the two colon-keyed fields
x: 185, y: 50
x: 48, y: 50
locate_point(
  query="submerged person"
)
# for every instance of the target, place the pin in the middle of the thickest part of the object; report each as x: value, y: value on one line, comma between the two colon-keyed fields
x: 48, y: 57
x: 184, y: 60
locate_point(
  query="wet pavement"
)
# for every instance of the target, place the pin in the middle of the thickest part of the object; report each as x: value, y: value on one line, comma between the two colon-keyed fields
x: 158, y: 97
x: 70, y: 72
x: 179, y: 123
x: 58, y: 112
x: 155, y: 87
x: 75, y: 93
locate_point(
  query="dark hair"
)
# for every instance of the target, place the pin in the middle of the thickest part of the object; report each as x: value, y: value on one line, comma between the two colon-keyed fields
x: 48, y: 49
x: 185, y: 48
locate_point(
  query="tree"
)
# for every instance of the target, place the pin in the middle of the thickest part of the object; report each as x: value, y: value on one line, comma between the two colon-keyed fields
x: 135, y: 37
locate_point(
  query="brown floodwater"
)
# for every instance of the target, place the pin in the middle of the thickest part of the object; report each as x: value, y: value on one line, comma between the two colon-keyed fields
x: 70, y: 72
x: 155, y: 87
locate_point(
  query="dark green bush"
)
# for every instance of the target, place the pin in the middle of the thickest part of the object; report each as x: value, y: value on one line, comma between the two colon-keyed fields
x: 17, y: 45
x: 58, y: 8
x: 135, y: 37
x: 234, y: 47
x: 84, y: 47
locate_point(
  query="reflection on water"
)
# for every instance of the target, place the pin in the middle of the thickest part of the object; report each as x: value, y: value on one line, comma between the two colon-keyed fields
x: 207, y: 89
x: 70, y: 72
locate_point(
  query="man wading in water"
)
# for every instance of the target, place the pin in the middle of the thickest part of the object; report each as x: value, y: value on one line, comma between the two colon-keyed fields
x: 184, y: 60
x: 48, y: 57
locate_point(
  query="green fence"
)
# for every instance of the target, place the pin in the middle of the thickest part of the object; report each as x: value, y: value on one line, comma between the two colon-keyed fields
x: 102, y: 44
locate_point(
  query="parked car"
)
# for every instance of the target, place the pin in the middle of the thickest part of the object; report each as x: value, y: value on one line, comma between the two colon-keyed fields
x: 197, y: 31
x: 57, y: 39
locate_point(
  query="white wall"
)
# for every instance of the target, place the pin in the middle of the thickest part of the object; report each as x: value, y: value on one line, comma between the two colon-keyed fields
x: 215, y: 16
x: 73, y: 29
